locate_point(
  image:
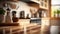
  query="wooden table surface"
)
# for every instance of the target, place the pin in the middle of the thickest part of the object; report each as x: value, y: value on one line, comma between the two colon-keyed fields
x: 19, y: 27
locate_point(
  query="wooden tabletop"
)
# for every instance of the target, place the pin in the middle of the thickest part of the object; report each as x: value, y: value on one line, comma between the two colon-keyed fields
x: 15, y: 27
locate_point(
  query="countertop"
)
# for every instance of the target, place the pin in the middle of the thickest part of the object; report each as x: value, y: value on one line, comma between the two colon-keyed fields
x: 21, y: 28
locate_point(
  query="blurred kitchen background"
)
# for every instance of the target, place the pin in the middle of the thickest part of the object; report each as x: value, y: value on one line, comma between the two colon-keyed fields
x: 29, y: 16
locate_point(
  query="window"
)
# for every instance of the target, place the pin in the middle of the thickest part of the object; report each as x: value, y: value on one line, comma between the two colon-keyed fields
x: 57, y: 13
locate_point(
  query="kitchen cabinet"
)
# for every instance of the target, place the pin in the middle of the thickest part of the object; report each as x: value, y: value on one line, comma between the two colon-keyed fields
x: 34, y: 30
x: 20, y: 30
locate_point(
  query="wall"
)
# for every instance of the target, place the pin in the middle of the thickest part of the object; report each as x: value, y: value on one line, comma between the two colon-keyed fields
x: 22, y: 7
x: 18, y: 7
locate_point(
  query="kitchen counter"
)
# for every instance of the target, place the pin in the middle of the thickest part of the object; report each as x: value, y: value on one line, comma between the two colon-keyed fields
x: 16, y: 29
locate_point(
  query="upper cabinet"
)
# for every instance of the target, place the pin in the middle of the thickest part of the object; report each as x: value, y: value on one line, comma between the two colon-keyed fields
x: 44, y: 4
x: 37, y: 1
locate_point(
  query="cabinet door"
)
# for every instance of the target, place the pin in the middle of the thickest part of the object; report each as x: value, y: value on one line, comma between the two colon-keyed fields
x: 28, y: 32
x: 35, y: 31
x: 19, y: 33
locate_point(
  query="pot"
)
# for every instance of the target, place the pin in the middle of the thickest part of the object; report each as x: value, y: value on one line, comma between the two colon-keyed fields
x: 54, y: 30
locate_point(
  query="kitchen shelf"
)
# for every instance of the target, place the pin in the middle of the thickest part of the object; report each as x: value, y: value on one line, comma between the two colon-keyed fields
x: 9, y: 24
